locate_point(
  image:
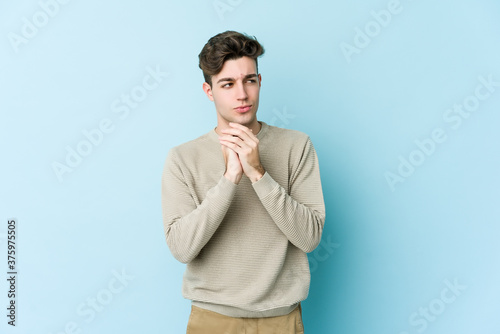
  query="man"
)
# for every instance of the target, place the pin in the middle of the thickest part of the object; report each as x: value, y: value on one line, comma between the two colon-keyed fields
x: 242, y: 205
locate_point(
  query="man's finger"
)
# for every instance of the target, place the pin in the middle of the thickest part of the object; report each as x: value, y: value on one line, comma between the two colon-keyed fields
x: 230, y: 145
x: 233, y: 139
x: 242, y: 128
x: 244, y: 135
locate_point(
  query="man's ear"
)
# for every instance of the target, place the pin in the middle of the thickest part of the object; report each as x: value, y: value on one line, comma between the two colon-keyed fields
x: 260, y: 79
x: 208, y: 90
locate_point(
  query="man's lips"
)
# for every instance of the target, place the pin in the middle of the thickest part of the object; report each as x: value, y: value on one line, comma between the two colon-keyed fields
x: 243, y: 109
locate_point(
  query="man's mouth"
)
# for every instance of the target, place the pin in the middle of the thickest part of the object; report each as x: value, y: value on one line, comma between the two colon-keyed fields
x: 243, y: 109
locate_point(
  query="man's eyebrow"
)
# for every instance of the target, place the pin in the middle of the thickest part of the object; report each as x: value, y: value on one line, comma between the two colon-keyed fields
x: 248, y: 76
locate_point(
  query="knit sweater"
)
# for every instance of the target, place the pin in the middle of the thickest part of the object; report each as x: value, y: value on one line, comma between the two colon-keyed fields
x: 244, y: 244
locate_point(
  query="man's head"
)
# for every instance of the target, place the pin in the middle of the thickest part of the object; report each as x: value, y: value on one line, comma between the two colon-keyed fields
x: 228, y: 45
x: 232, y: 81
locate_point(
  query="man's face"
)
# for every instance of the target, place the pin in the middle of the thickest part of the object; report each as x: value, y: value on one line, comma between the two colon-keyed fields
x: 235, y: 92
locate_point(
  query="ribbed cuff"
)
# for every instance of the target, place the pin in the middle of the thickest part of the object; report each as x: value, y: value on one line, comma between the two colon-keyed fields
x: 226, y: 187
x: 265, y: 185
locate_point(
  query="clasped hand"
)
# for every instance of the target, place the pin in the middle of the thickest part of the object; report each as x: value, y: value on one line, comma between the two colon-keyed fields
x: 241, y: 153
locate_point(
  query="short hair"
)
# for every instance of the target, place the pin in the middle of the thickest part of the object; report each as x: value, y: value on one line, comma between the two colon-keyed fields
x: 228, y: 45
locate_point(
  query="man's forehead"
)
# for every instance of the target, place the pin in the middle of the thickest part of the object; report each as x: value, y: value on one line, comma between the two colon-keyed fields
x: 238, y: 68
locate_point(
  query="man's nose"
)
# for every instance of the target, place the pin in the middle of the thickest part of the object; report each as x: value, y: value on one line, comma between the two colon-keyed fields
x: 242, y: 93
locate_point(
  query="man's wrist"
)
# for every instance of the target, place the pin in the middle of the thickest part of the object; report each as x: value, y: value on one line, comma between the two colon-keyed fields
x: 259, y: 173
x: 233, y: 178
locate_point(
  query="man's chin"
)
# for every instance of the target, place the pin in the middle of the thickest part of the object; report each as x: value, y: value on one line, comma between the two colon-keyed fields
x: 246, y: 120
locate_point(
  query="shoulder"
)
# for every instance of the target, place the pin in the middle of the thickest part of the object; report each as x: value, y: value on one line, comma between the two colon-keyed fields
x: 287, y: 136
x: 191, y: 149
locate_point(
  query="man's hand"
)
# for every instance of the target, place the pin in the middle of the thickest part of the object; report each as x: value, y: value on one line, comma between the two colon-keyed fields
x: 241, y: 140
x: 234, y: 171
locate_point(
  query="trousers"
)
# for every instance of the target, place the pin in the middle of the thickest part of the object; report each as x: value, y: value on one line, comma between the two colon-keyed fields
x: 203, y: 321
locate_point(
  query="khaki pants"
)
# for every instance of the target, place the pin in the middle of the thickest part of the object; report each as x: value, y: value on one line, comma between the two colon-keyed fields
x: 202, y: 321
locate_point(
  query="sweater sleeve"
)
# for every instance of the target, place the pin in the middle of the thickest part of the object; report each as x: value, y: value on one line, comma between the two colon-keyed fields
x: 300, y: 215
x: 189, y: 225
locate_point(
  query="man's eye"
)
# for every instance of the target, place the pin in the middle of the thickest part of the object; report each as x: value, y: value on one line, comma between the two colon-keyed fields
x: 227, y: 85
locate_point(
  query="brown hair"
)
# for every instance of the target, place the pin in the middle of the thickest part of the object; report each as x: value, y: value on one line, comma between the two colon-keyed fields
x: 228, y: 45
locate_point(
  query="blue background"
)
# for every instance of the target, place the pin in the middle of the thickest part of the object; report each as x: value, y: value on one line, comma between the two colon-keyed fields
x: 390, y: 248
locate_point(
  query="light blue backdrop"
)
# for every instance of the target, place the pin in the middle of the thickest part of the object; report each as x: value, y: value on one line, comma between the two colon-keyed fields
x: 400, y: 98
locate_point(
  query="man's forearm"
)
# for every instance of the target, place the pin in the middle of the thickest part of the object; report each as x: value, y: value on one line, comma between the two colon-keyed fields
x: 302, y: 225
x: 187, y: 234
x: 189, y: 224
x: 300, y: 214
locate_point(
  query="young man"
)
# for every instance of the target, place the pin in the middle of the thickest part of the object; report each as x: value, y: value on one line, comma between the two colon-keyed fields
x: 242, y: 205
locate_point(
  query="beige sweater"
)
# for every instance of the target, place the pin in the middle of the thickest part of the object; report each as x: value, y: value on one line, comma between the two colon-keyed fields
x: 245, y: 245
